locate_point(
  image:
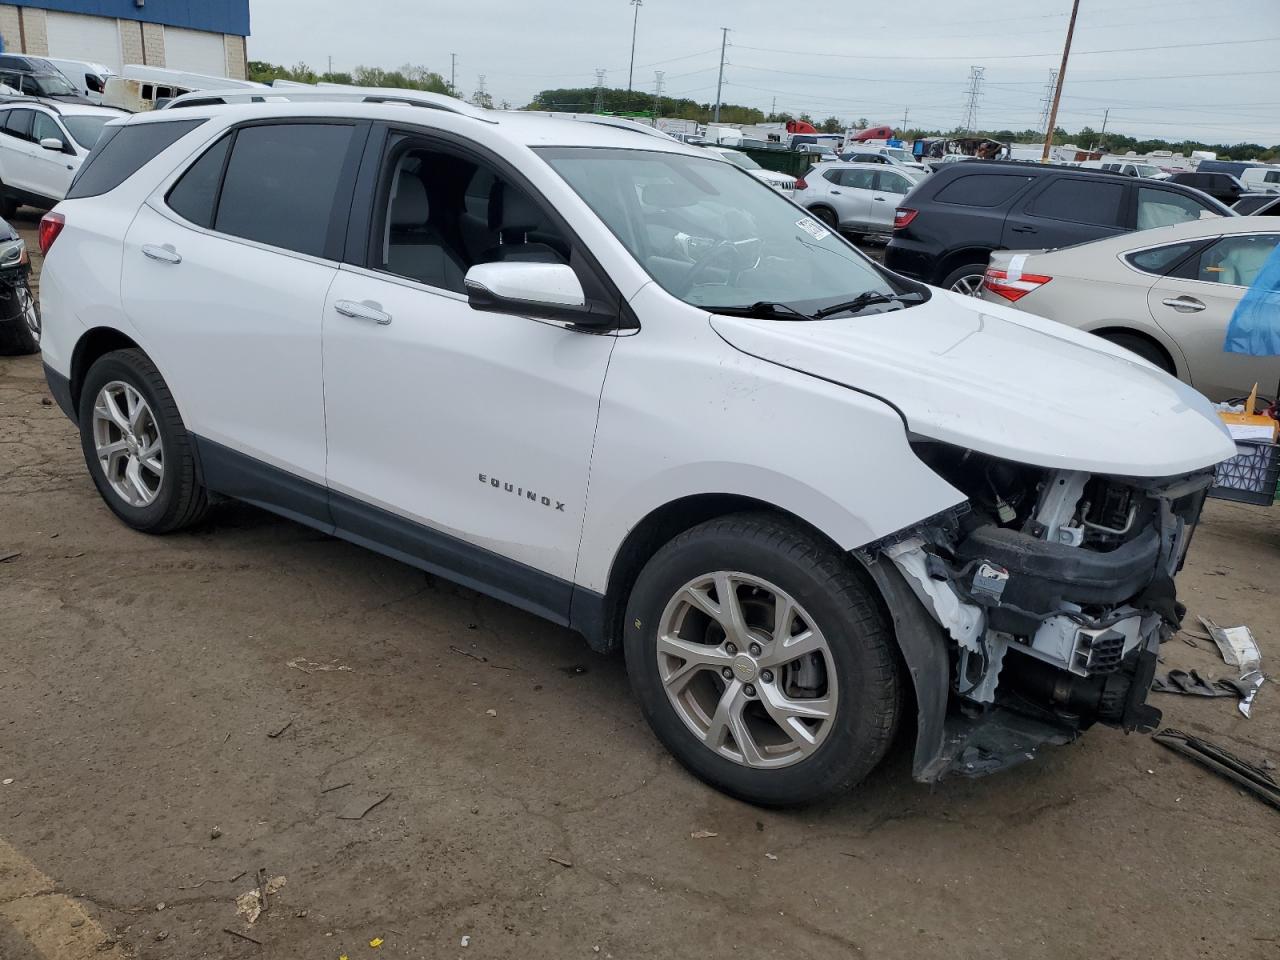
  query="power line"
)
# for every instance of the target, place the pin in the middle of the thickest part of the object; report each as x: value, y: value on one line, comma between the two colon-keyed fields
x: 1006, y: 56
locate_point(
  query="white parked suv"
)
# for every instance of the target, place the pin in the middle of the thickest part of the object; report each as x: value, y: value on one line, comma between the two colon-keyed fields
x: 42, y: 145
x: 622, y: 384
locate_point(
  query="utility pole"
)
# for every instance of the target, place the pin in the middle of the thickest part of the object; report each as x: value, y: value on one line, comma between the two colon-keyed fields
x: 659, y: 77
x: 331, y: 64
x: 1062, y: 76
x: 599, y: 103
x: 724, y: 42
x: 1102, y: 137
x: 975, y: 92
x: 635, y: 22
x: 773, y: 110
x: 906, y: 112
x: 453, y: 74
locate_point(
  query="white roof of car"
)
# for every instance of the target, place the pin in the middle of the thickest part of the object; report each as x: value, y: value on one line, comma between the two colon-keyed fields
x: 527, y: 128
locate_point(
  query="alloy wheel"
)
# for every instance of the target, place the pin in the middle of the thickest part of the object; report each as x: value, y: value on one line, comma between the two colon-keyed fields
x: 970, y: 285
x: 30, y: 312
x: 126, y: 440
x: 747, y: 670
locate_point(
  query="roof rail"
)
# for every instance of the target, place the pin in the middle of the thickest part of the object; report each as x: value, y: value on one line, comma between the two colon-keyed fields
x: 290, y: 92
x: 27, y: 99
x: 621, y: 123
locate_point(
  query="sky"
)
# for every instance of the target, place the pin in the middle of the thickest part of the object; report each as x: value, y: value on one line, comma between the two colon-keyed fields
x: 1198, y: 69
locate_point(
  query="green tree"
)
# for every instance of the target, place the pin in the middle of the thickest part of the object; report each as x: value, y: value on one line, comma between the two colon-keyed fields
x: 831, y: 125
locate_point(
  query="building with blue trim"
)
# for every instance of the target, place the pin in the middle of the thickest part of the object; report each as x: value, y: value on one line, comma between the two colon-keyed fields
x: 195, y: 36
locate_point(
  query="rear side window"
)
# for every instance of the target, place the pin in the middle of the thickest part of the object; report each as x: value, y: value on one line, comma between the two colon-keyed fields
x: 122, y: 151
x: 1159, y: 259
x: 195, y: 194
x: 1080, y: 201
x: 281, y: 184
x: 981, y: 189
x: 18, y: 124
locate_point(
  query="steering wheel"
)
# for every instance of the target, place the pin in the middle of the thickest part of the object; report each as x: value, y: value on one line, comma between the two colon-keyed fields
x: 700, y: 268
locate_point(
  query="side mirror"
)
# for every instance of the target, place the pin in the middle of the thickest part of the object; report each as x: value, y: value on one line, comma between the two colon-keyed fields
x: 52, y: 143
x: 544, y: 290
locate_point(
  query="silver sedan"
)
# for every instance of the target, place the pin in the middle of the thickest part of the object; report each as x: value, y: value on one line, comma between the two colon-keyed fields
x: 1165, y: 294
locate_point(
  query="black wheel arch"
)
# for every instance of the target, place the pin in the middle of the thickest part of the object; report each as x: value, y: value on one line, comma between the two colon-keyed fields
x: 94, y: 343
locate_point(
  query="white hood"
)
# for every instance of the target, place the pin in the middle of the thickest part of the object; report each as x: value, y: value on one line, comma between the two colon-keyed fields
x: 1005, y: 383
x: 774, y: 177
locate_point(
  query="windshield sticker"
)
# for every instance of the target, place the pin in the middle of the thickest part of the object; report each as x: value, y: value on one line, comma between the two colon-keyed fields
x: 813, y: 228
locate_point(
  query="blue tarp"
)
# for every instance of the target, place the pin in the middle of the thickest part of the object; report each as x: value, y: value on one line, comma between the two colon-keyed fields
x: 1255, y: 325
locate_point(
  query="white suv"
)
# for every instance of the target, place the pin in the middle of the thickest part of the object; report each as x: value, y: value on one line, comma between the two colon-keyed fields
x: 42, y: 145
x: 622, y: 384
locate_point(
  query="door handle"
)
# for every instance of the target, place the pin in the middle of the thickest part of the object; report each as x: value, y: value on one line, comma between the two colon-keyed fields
x: 164, y: 254
x: 1184, y: 304
x: 362, y: 311
x: 1023, y: 229
x: 881, y: 199
x: 835, y: 191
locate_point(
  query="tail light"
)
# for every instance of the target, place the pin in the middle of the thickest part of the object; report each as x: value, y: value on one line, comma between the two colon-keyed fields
x: 903, y: 216
x: 51, y: 225
x: 998, y: 282
x: 801, y: 185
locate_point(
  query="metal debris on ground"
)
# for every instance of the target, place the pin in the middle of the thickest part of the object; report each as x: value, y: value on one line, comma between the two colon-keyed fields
x: 1253, y: 778
x: 6, y: 557
x: 336, y: 786
x: 358, y: 809
x: 197, y: 886
x: 703, y: 834
x: 1191, y: 683
x: 311, y: 666
x: 1239, y: 649
x: 242, y: 936
x: 563, y: 863
x: 467, y: 653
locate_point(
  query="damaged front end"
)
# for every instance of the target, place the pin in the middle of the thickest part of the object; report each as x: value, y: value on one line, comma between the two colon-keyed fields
x: 1054, y: 589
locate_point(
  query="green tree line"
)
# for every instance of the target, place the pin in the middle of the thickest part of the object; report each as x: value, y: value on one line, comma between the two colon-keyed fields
x: 617, y: 100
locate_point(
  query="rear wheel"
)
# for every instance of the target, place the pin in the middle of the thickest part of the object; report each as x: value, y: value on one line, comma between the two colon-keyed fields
x: 1148, y: 351
x: 762, y: 660
x: 827, y: 216
x: 136, y: 446
x: 966, y: 280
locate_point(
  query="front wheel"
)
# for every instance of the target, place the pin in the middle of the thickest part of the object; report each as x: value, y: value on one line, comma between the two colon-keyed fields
x: 136, y: 446
x: 827, y: 216
x: 21, y: 335
x: 762, y: 660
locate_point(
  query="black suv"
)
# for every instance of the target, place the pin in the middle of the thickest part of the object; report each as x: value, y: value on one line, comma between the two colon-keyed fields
x: 1220, y: 186
x: 37, y: 77
x: 947, y: 227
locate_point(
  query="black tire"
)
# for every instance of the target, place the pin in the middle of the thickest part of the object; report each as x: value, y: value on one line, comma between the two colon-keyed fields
x: 8, y: 205
x: 1144, y: 348
x: 827, y: 216
x: 17, y: 338
x: 181, y: 500
x: 968, y: 271
x: 835, y: 595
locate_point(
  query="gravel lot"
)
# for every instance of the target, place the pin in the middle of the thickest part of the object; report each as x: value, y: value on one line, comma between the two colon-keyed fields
x: 176, y: 712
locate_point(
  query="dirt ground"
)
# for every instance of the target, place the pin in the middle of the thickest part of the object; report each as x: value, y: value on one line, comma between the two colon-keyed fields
x: 178, y: 713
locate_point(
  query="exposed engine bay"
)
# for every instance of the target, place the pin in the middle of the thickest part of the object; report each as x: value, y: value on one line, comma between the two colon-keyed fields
x: 1055, y: 588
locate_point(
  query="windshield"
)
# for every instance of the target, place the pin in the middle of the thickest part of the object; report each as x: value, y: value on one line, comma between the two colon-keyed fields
x: 85, y: 130
x: 48, y: 84
x: 714, y: 236
x: 900, y: 155
x: 739, y: 159
x: 1147, y: 170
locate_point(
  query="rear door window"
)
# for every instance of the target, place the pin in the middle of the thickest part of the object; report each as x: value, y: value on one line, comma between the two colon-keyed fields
x: 858, y: 179
x: 1163, y: 208
x: 19, y: 124
x: 122, y: 151
x: 982, y: 189
x: 195, y: 195
x: 281, y: 184
x: 1080, y: 200
x: 1158, y: 260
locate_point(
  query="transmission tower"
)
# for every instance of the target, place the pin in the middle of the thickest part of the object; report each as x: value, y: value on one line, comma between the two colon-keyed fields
x: 659, y: 80
x: 481, y: 97
x: 975, y: 93
x: 1046, y: 101
x: 598, y: 107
